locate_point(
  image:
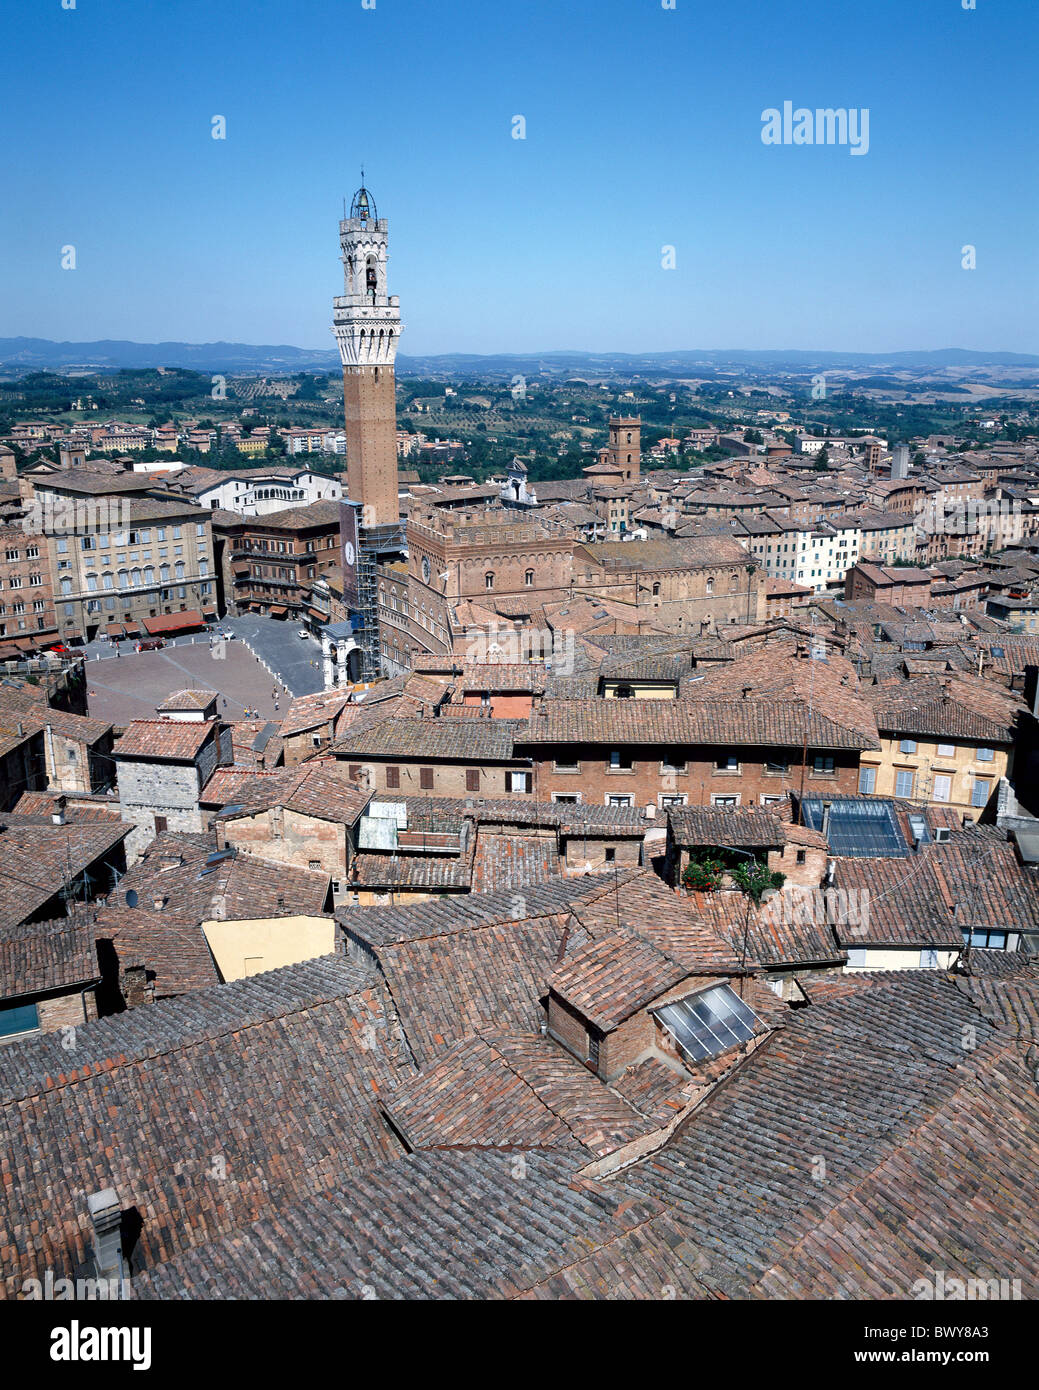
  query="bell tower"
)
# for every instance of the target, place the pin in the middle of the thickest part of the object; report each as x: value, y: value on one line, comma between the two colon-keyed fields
x: 367, y: 328
x: 625, y: 450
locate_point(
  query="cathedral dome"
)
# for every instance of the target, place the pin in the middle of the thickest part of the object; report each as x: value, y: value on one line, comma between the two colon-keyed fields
x: 363, y: 206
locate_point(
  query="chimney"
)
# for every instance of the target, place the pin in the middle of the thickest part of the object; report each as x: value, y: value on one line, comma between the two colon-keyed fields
x: 106, y: 1219
x: 826, y: 820
x: 160, y: 902
x: 58, y: 814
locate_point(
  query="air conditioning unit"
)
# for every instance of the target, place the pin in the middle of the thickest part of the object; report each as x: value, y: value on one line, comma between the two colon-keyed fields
x: 942, y: 834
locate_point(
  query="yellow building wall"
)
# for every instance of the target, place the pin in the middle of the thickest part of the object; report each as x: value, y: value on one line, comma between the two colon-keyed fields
x: 925, y: 763
x: 251, y: 946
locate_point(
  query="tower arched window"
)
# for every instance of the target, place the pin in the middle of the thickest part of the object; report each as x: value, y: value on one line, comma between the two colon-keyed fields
x: 656, y: 589
x: 710, y: 586
x: 488, y: 580
x: 528, y: 578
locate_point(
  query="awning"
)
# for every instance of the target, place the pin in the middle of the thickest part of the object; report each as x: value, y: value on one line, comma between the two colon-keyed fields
x: 114, y: 629
x: 241, y: 567
x: 278, y: 610
x: 172, y: 622
x: 209, y: 613
x: 132, y: 629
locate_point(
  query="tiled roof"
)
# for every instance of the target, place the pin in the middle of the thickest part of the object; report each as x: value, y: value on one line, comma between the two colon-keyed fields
x: 878, y: 1084
x: 167, y: 939
x: 313, y: 789
x: 475, y: 740
x: 538, y: 1235
x: 614, y: 976
x: 749, y: 828
x: 189, y: 700
x: 905, y: 905
x: 43, y: 956
x: 38, y: 859
x: 205, y: 1112
x: 788, y: 930
x: 510, y: 1090
x: 764, y: 723
x: 447, y: 987
x: 176, y: 740
x: 512, y: 861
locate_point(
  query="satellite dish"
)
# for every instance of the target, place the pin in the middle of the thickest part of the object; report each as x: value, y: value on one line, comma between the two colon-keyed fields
x: 132, y: 898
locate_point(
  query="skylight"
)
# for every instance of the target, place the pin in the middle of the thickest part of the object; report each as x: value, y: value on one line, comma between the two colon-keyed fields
x: 858, y: 827
x: 707, y: 1024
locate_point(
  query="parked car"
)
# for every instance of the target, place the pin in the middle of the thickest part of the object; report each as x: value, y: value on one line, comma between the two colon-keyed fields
x: 60, y: 648
x: 151, y: 644
x: 302, y: 632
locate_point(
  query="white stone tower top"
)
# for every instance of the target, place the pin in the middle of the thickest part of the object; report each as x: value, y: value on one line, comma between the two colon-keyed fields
x: 367, y: 322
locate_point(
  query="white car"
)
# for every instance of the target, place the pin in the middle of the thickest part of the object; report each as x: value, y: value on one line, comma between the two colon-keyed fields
x: 302, y: 632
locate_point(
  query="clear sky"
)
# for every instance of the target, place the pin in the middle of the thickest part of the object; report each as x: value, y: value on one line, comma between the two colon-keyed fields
x: 643, y: 130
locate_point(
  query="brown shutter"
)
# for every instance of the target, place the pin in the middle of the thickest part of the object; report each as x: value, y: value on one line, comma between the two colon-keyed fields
x: 393, y: 776
x: 472, y: 779
x: 425, y: 778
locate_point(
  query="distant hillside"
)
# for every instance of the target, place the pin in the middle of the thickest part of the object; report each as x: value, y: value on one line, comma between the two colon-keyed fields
x: 21, y: 355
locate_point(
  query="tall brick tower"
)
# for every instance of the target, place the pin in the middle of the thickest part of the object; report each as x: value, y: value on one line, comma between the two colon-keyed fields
x: 367, y: 328
x: 624, y: 450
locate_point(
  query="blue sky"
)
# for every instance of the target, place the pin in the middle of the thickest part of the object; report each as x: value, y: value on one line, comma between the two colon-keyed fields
x: 643, y: 131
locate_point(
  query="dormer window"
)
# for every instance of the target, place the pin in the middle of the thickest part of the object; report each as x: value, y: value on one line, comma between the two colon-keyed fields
x: 707, y: 1024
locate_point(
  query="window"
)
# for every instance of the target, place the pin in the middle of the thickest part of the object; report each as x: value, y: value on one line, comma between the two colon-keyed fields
x: 979, y: 792
x: 942, y: 788
x: 904, y: 784
x: 566, y: 798
x: 667, y: 766
x: 620, y: 761
x: 472, y: 779
x: 161, y: 823
x: 709, y: 1023
x: 907, y: 745
x: 857, y: 957
x: 776, y: 768
x: 393, y: 777
x: 488, y: 580
x: 620, y: 801
x: 517, y: 781
x: 725, y: 799
x: 425, y: 779
x: 673, y: 799
x: 610, y: 854
x: 928, y: 959
x: 823, y: 763
x: 802, y: 855
x: 528, y: 578
x: 22, y: 1018
x: 946, y: 750
x: 985, y: 755
x: 867, y: 781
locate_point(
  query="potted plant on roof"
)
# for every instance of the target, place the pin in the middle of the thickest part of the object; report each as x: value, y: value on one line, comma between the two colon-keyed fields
x: 703, y: 875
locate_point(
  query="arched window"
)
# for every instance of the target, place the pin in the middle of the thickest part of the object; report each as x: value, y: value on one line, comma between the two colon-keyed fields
x: 528, y: 578
x: 149, y: 575
x: 488, y: 580
x: 106, y: 581
x: 710, y: 586
x: 656, y: 589
x: 135, y: 578
x: 164, y: 573
x: 180, y: 569
x: 92, y: 583
x: 124, y: 579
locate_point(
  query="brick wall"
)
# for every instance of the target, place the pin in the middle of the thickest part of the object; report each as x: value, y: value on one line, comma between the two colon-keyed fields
x: 291, y: 839
x: 648, y: 780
